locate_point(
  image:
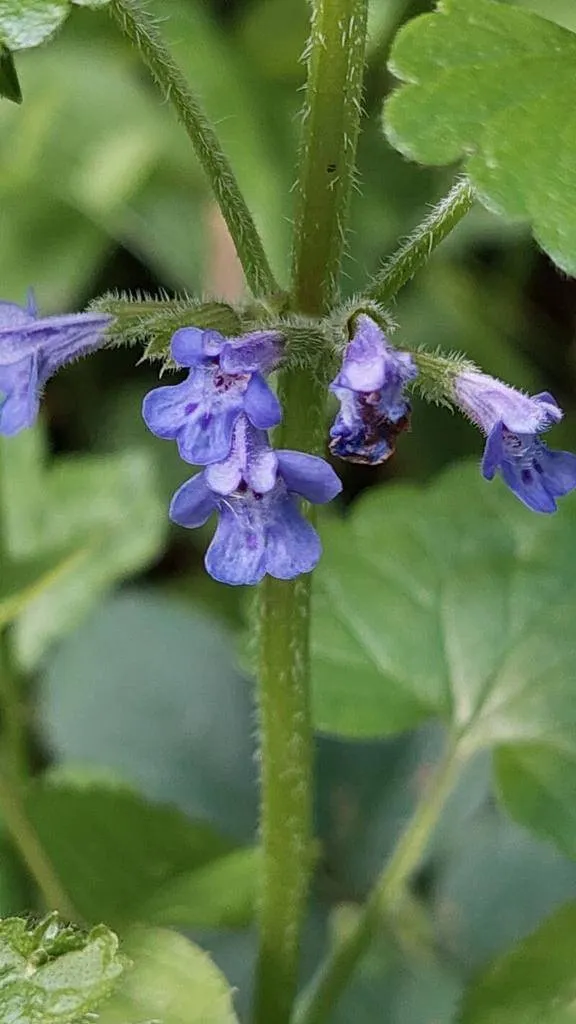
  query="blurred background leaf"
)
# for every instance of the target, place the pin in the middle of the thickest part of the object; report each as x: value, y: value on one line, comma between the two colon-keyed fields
x: 105, y: 508
x: 533, y: 982
x: 170, y: 977
x: 114, y: 850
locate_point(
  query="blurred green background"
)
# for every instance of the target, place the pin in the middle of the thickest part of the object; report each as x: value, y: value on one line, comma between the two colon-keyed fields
x: 100, y: 190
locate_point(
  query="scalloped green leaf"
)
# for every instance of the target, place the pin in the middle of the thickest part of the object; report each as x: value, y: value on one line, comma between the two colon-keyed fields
x: 26, y: 23
x: 451, y: 601
x: 496, y: 86
x: 456, y: 602
x: 533, y: 984
x: 55, y: 974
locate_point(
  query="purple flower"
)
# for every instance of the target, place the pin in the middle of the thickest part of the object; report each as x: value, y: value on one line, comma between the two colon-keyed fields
x: 260, y: 532
x: 370, y: 387
x: 251, y: 459
x: 201, y: 412
x: 32, y: 349
x: 512, y: 423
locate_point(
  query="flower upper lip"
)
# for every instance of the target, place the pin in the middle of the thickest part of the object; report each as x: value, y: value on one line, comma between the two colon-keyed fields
x: 32, y: 349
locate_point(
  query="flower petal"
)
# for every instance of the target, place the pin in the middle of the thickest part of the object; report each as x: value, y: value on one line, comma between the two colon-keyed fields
x: 207, y: 438
x: 190, y: 345
x: 262, y: 470
x: 546, y: 399
x: 12, y: 315
x: 164, y: 409
x: 60, y: 338
x: 193, y: 502
x: 71, y: 343
x: 236, y: 555
x: 260, y: 351
x: 225, y: 476
x: 488, y: 401
x: 261, y: 404
x: 308, y: 475
x: 359, y: 447
x: 493, y: 452
x: 196, y: 413
x: 31, y: 304
x: 251, y: 458
x: 558, y: 471
x: 527, y: 484
x: 363, y: 366
x: 292, y: 544
x: 19, y: 400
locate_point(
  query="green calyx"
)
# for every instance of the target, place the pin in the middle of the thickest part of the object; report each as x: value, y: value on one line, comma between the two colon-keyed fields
x: 151, y: 322
x: 312, y: 344
x: 437, y: 372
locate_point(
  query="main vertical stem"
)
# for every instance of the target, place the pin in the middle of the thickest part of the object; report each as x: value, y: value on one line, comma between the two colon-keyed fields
x: 286, y: 745
x: 328, y: 152
x: 286, y: 751
x: 336, y: 54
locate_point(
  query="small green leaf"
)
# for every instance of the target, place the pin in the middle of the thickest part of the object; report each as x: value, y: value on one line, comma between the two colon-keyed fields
x: 222, y: 894
x: 9, y: 84
x: 25, y: 23
x: 114, y: 518
x: 114, y: 850
x: 24, y: 582
x: 172, y: 981
x: 54, y: 974
x: 533, y: 984
x: 491, y: 83
x: 456, y: 602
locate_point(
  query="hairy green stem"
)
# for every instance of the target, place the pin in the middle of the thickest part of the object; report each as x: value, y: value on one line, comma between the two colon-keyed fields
x: 325, y: 990
x: 26, y: 841
x: 335, y: 54
x: 140, y: 28
x: 416, y: 250
x: 332, y: 111
x: 286, y: 753
x: 286, y: 741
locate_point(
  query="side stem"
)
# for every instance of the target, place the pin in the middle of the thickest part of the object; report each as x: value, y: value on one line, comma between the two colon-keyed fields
x: 140, y: 29
x: 13, y: 707
x: 328, y: 152
x: 26, y: 841
x: 325, y: 990
x: 416, y: 250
